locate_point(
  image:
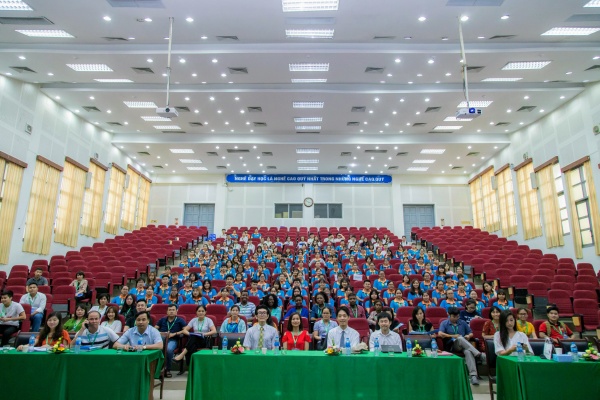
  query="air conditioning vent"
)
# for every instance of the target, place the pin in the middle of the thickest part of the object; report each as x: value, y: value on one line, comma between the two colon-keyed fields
x: 372, y: 151
x: 352, y: 123
x: 473, y: 154
x: 114, y: 39
x: 384, y: 37
x: 374, y: 70
x: 358, y: 109
x: 526, y: 109
x: 91, y: 108
x: 22, y: 69
x: 504, y: 37
x: 308, y: 132
x: 143, y: 153
x: 346, y: 154
x: 25, y: 21
x: 433, y: 109
x: 114, y: 123
x: 259, y: 124
x: 221, y: 167
x: 227, y: 38
x: 173, y: 131
x: 254, y: 109
x: 237, y: 151
x: 267, y: 154
x: 457, y: 167
x: 182, y: 109
x: 503, y: 123
x: 342, y: 167
x: 241, y: 70
x: 158, y: 166
x: 136, y: 3
x: 593, y: 67
x: 419, y: 124
x: 474, y: 69
x: 393, y: 168
x: 271, y: 167
x: 212, y: 153
x: 142, y: 70
x: 196, y: 124
x: 402, y: 154
x: 559, y: 81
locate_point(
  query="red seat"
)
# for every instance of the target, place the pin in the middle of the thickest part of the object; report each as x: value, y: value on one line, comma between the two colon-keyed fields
x: 585, y: 294
x: 158, y: 311
x: 588, y: 310
x: 584, y: 286
x: 436, y: 315
x: 562, y: 286
x: 562, y: 299
x: 477, y: 328
x: 361, y: 325
x: 219, y: 311
x: 65, y: 295
x: 18, y: 291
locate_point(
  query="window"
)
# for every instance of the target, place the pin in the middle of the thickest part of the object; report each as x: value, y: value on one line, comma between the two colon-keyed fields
x: 528, y: 200
x: 142, y: 205
x: 328, y: 210
x: 477, y: 203
x: 549, y: 202
x: 562, y: 201
x: 506, y: 200
x: 490, y: 204
x: 70, y: 203
x: 10, y: 186
x: 92, y: 203
x: 582, y: 209
x: 132, y: 192
x: 115, y: 198
x: 288, y: 210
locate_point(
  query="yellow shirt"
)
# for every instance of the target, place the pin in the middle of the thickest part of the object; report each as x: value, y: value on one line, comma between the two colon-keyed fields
x: 527, y: 328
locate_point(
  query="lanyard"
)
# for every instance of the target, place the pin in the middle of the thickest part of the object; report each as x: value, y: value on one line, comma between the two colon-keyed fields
x: 524, y: 326
x: 295, y: 338
x: 90, y: 340
x: 559, y: 329
x: 421, y: 328
x: 32, y: 300
x: 455, y: 328
x: 319, y: 312
x: 77, y: 325
x: 199, y: 327
x: 355, y: 312
x: 170, y: 326
x: 3, y: 311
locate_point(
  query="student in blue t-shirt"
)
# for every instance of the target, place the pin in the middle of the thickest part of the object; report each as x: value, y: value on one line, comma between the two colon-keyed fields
x: 139, y: 291
x: 224, y: 299
x: 503, y: 303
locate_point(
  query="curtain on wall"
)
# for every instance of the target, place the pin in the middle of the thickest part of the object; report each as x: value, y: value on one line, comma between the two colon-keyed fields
x: 143, y: 202
x: 490, y: 203
x: 550, y: 208
x: 70, y: 203
x: 506, y: 200
x: 13, y: 177
x: 92, y: 204
x: 530, y: 214
x: 115, y: 198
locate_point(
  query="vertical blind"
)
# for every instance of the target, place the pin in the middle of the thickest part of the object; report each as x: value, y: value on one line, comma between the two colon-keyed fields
x: 92, y: 204
x: 130, y: 200
x: 490, y: 204
x: 550, y: 208
x: 12, y: 177
x: 506, y: 199
x: 113, y: 204
x: 530, y: 213
x: 142, y: 208
x: 70, y: 203
x: 476, y: 203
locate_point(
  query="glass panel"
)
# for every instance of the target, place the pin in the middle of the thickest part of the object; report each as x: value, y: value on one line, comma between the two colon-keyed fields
x: 566, y: 227
x: 295, y: 210
x: 578, y: 192
x: 575, y: 176
x: 586, y: 238
x: 335, y: 211
x: 582, y: 210
x: 584, y: 223
x: 556, y: 170
x: 563, y: 214
x: 562, y: 203
x: 320, y: 210
x: 559, y: 185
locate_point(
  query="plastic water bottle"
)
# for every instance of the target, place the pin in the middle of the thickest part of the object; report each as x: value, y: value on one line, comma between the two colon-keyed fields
x: 31, y: 344
x: 574, y: 352
x: 408, y: 348
x: 434, y: 348
x: 224, y: 344
x: 276, y: 346
x: 348, y: 349
x: 377, y: 349
x: 520, y: 352
x: 140, y: 344
x: 77, y: 348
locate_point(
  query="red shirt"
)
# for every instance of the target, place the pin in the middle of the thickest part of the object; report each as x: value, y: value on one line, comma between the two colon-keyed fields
x: 296, y: 342
x: 556, y: 331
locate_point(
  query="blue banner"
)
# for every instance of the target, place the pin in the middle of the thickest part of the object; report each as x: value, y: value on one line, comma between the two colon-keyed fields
x: 317, y: 178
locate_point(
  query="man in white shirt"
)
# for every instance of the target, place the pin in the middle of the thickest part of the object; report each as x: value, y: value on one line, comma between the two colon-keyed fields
x: 92, y: 334
x: 142, y: 336
x: 11, y: 314
x: 384, y: 334
x: 37, y: 301
x: 261, y: 335
x: 338, y: 335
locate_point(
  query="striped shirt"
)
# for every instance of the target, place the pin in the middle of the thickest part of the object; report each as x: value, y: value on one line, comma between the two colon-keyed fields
x: 102, y: 338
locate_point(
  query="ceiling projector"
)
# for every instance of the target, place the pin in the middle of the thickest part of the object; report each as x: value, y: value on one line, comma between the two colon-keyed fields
x: 167, y: 112
x: 468, y: 113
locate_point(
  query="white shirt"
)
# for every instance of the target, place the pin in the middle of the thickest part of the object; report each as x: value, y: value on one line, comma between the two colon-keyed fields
x: 391, y: 338
x: 38, y: 303
x: 334, y: 336
x: 519, y: 337
x: 253, y: 334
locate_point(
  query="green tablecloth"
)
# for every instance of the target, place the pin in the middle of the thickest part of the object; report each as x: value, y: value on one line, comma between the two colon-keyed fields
x: 100, y: 374
x: 544, y: 379
x: 306, y: 375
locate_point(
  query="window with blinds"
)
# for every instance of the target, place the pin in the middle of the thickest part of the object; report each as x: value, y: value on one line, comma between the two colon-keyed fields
x: 10, y: 186
x: 130, y: 200
x: 477, y: 203
x: 506, y: 201
x: 92, y: 202
x: 530, y: 211
x: 141, y: 218
x: 113, y: 203
x: 70, y: 204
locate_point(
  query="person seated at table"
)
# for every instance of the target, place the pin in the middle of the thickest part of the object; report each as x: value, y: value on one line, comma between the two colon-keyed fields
x: 37, y: 278
x: 51, y: 333
x: 523, y: 325
x: 173, y: 325
x: 103, y: 300
x: 554, y: 329
x: 322, y: 328
x: 37, y: 301
x: 338, y: 335
x: 142, y: 332
x: 384, y: 334
x: 246, y: 307
x: 198, y: 330
x: 321, y: 303
x: 92, y: 333
x: 418, y: 323
x: 112, y: 321
x: 507, y: 338
x: 296, y: 337
x: 261, y: 335
x: 503, y: 303
x: 492, y: 326
x: 233, y: 324
x: 81, y: 286
x: 303, y: 311
x: 470, y: 311
x: 140, y: 306
x: 456, y: 334
x: 356, y: 311
x: 377, y: 309
x: 74, y: 323
x: 273, y: 303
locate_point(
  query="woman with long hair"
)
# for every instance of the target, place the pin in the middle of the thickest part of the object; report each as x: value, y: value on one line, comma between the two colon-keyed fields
x: 493, y: 325
x: 128, y: 309
x: 296, y: 337
x: 112, y: 321
x: 418, y: 323
x: 52, y: 332
x: 507, y: 338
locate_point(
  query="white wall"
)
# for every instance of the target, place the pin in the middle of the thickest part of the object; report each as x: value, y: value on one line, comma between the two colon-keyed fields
x: 57, y: 133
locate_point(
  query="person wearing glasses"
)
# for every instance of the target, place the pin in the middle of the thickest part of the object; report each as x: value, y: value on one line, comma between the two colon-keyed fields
x: 261, y: 335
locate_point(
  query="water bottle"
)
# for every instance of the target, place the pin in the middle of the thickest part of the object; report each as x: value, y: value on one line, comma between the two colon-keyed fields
x: 224, y: 344
x: 408, y: 348
x: 574, y: 352
x: 520, y: 352
x: 348, y: 349
x: 140, y: 344
x: 434, y: 348
x: 77, y: 348
x: 31, y: 344
x: 377, y: 349
x: 276, y: 346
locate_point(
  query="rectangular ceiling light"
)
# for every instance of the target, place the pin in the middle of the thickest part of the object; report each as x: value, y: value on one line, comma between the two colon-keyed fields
x: 309, y: 5
x: 418, y: 169
x: 310, y: 33
x: 447, y: 128
x: 593, y: 3
x: 309, y: 67
x: 570, y: 31
x: 477, y: 104
x: 14, y: 5
x: 308, y: 128
x: 140, y: 104
x: 167, y: 127
x: 182, y: 151
x: 154, y: 118
x: 454, y: 119
x: 197, y: 168
x: 308, y: 119
x: 190, y: 161
x: 423, y: 161
x: 308, y: 168
x: 45, y: 33
x: 501, y: 79
x: 525, y: 65
x: 113, y: 80
x: 308, y: 161
x: 433, y: 151
x: 308, y: 104
x: 309, y: 80
x: 308, y: 151
x: 90, y: 67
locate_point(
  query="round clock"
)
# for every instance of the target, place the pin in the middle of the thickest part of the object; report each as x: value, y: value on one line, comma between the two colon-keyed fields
x: 308, y: 202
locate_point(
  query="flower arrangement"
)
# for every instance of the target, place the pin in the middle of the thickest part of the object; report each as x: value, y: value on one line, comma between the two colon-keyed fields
x: 238, y: 348
x: 58, y: 347
x: 417, y: 351
x: 333, y: 350
x: 590, y: 354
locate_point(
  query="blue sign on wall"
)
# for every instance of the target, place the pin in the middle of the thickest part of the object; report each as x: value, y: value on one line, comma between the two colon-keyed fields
x: 317, y: 178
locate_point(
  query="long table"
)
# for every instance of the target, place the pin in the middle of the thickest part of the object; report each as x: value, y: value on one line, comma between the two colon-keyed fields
x: 305, y: 375
x: 542, y: 379
x: 100, y: 374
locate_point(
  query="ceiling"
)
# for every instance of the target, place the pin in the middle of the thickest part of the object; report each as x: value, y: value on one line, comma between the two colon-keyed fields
x: 416, y: 85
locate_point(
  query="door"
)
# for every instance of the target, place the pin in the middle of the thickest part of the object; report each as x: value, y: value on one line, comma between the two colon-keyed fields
x: 199, y: 215
x: 419, y: 216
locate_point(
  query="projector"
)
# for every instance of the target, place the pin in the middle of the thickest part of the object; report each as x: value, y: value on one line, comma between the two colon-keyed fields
x: 468, y: 113
x: 167, y: 112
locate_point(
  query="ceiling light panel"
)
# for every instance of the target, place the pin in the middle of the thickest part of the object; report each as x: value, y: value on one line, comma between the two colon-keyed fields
x: 197, y: 168
x: 309, y: 5
x: 46, y: 33
x: 309, y: 67
x: 190, y: 161
x: 433, y: 151
x: 593, y: 3
x: 477, y: 103
x: 182, y: 151
x: 308, y: 151
x: 90, y: 67
x: 454, y: 119
x: 154, y: 118
x: 423, y: 161
x: 570, y: 31
x: 308, y: 119
x: 516, y: 65
x: 308, y: 127
x: 308, y: 168
x: 309, y: 80
x: 140, y: 104
x: 15, y: 5
x: 501, y: 79
x: 116, y: 80
x: 166, y: 127
x: 308, y: 104
x: 308, y: 161
x: 418, y: 169
x: 447, y: 128
x: 310, y: 33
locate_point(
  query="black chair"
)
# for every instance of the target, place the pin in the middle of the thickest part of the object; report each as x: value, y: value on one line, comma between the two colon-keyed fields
x: 581, y: 344
x: 490, y: 353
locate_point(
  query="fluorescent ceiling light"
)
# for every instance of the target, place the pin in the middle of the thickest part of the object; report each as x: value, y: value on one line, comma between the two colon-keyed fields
x: 190, y: 161
x: 433, y: 151
x: 308, y: 168
x: 570, y: 31
x: 113, y: 80
x: 197, y: 168
x: 593, y: 3
x: 308, y: 127
x: 166, y: 127
x: 423, y: 161
x: 308, y: 119
x: 47, y: 33
x: 308, y: 151
x: 418, y: 169
x: 447, y: 128
x: 154, y: 118
x: 308, y: 104
x: 525, y: 65
x: 90, y: 67
x: 309, y: 67
x: 308, y: 161
x: 476, y: 103
x: 140, y: 104
x: 309, y: 80
x: 501, y: 79
x: 310, y: 33
x: 454, y: 119
x: 16, y: 5
x: 309, y: 5
x: 182, y: 151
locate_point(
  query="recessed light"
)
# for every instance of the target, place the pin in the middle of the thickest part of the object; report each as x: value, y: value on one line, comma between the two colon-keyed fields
x: 492, y: 123
x: 77, y: 111
x: 196, y: 111
x: 107, y: 18
x: 309, y: 67
x: 410, y: 82
x: 526, y: 97
x: 219, y: 111
x: 448, y: 74
x: 394, y: 112
x: 562, y: 97
x: 370, y: 111
x: 310, y: 33
x: 140, y: 104
x: 445, y: 38
x: 509, y: 110
x: 108, y: 111
x: 407, y: 37
x: 596, y: 58
x: 517, y: 65
x: 189, y: 19
x: 501, y: 79
x: 164, y: 74
x: 150, y: 60
x: 480, y: 37
x: 401, y: 100
x: 389, y: 75
x: 182, y: 60
x: 57, y: 97
x: 426, y: 99
x: 469, y: 147
x: 397, y: 60
x: 186, y: 98
x: 376, y: 99
x: 433, y: 151
x: 422, y: 19
x: 115, y: 80
x: 506, y: 16
x: 147, y: 19
x: 458, y: 158
x: 542, y: 110
x: 419, y: 75
x: 570, y: 31
x: 47, y: 33
x: 22, y: 58
x: 226, y: 123
x: 223, y: 75
x: 50, y: 74
x: 203, y: 37
x: 430, y: 61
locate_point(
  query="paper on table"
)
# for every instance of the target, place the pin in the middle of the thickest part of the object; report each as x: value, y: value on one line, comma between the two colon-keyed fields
x: 444, y: 353
x: 40, y: 349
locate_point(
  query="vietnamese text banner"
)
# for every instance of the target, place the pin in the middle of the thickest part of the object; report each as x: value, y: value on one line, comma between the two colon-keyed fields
x: 297, y: 178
